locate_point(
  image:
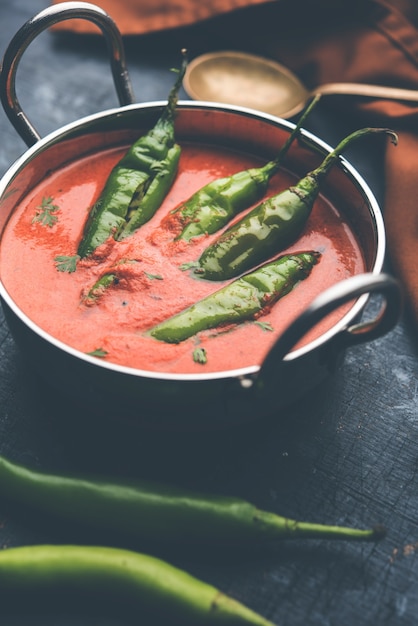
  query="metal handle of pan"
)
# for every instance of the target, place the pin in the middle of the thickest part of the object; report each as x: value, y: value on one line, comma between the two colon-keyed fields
x: 349, y: 289
x: 30, y: 30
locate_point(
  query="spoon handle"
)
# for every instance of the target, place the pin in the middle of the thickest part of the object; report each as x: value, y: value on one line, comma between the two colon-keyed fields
x: 373, y: 91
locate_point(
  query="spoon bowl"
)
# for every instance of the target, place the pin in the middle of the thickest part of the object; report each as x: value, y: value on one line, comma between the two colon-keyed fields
x: 249, y: 80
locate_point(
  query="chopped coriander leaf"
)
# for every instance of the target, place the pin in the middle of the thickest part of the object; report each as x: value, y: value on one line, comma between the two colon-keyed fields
x: 188, y: 266
x: 99, y: 353
x: 153, y: 276
x: 66, y: 263
x: 265, y: 326
x: 200, y: 356
x: 46, y: 212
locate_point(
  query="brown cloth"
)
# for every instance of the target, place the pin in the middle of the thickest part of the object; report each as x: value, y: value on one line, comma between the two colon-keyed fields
x: 370, y: 41
x: 137, y: 17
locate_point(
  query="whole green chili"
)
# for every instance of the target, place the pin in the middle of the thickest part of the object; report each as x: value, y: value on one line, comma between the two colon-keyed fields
x: 240, y: 300
x: 272, y: 225
x: 215, y: 204
x: 138, y: 184
x: 140, y: 582
x: 152, y: 512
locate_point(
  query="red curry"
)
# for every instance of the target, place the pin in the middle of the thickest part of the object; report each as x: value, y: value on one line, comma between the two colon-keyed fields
x: 152, y: 286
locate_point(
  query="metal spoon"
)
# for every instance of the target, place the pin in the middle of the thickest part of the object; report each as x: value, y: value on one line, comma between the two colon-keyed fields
x: 252, y: 81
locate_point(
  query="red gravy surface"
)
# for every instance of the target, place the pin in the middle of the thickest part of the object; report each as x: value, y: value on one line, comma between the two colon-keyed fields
x: 153, y: 287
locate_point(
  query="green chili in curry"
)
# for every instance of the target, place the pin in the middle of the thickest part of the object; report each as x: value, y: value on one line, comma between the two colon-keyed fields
x: 272, y: 225
x: 138, y: 184
x: 215, y: 204
x: 241, y: 300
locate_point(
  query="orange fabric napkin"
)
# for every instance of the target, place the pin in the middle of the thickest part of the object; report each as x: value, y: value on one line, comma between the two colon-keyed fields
x: 137, y: 17
x: 371, y: 41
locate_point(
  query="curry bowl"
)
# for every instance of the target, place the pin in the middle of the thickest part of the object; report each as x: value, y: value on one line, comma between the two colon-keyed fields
x: 302, y: 354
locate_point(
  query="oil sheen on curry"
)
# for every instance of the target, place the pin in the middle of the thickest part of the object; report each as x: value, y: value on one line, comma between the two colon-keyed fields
x: 113, y: 302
